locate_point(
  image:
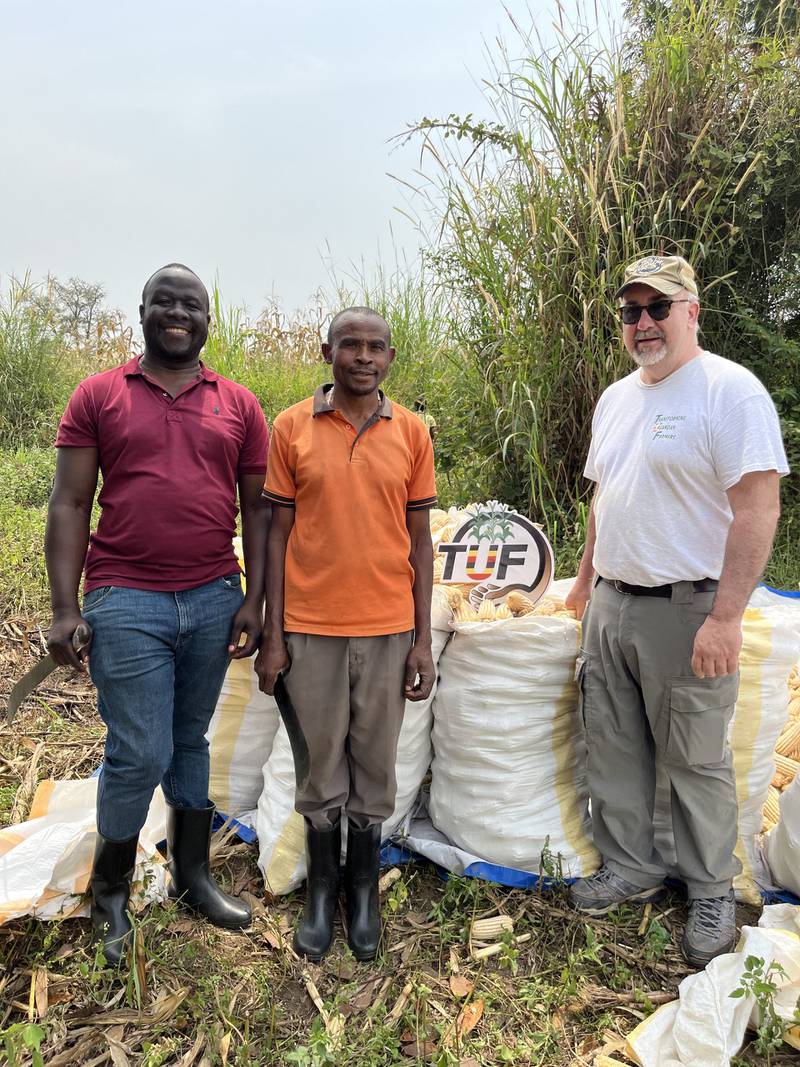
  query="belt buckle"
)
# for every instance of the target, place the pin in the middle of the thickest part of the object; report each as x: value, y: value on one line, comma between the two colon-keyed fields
x: 618, y: 586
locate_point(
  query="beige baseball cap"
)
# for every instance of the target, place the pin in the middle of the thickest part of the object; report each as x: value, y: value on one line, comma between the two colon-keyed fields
x: 666, y: 274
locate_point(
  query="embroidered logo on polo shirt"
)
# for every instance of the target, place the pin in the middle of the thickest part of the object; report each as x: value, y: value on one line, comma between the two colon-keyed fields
x: 667, y: 427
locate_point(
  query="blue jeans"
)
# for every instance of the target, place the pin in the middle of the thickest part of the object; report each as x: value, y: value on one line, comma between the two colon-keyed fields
x: 158, y: 661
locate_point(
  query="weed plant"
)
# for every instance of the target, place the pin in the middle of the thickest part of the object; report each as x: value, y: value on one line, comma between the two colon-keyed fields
x: 681, y: 136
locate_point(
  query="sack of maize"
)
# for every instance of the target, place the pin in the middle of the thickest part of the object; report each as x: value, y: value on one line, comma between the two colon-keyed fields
x: 508, y: 775
x: 770, y: 647
x: 240, y: 735
x: 781, y: 821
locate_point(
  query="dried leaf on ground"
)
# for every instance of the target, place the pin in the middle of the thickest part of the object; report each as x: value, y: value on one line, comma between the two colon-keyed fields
x: 469, y: 1018
x: 41, y: 994
x: 421, y: 1050
x: 460, y: 986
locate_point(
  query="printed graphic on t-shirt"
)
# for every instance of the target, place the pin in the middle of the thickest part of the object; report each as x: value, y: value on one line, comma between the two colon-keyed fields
x: 667, y: 427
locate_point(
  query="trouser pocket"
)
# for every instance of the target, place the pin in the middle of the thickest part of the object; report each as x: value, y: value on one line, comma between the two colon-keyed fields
x: 580, y: 682
x: 699, y: 712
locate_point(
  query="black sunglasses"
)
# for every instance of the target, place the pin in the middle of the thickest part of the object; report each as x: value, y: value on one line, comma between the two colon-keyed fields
x: 658, y: 310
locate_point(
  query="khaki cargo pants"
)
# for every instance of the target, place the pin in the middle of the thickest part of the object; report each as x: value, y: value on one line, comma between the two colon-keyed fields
x: 347, y: 694
x: 642, y: 704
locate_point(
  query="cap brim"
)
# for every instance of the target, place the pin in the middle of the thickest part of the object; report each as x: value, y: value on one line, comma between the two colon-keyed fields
x: 666, y: 288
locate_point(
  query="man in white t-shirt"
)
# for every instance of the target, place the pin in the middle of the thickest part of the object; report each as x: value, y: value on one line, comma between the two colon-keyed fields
x: 687, y: 456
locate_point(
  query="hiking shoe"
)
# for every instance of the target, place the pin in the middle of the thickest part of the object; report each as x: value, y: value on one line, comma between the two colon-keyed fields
x: 710, y: 929
x: 601, y: 892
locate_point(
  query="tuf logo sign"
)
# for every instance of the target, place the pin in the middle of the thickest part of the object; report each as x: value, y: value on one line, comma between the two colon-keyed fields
x: 498, y: 550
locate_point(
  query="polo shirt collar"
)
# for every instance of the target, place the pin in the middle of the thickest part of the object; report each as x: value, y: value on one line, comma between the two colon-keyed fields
x: 321, y: 406
x: 132, y: 367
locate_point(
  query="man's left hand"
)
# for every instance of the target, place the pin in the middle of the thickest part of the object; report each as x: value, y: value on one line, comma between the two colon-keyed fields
x: 247, y: 621
x: 419, y: 663
x: 716, y: 648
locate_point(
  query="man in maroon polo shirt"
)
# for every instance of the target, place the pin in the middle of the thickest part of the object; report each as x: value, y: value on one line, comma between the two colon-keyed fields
x: 162, y: 592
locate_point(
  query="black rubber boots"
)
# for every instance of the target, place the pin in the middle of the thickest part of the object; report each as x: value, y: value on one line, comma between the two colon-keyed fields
x: 112, y: 870
x: 323, y: 849
x: 315, y: 929
x: 361, y: 890
x: 188, y: 841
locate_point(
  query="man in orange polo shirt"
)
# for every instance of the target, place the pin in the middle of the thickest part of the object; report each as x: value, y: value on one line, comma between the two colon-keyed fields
x: 350, y: 572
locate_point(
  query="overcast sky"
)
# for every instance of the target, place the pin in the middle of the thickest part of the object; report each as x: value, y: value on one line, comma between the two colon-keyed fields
x: 249, y: 139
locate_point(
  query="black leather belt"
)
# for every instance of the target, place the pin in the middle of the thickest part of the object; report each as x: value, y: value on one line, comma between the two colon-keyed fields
x: 702, y: 585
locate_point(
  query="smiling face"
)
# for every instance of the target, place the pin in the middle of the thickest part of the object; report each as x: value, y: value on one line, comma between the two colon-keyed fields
x: 174, y: 316
x: 359, y: 352
x: 651, y: 341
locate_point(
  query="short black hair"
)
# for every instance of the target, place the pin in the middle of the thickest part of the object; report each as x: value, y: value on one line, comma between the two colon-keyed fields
x: 357, y: 311
x: 174, y: 266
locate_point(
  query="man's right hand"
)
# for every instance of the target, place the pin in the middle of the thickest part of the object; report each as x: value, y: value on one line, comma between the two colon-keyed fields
x: 59, y: 640
x: 578, y: 596
x: 272, y: 658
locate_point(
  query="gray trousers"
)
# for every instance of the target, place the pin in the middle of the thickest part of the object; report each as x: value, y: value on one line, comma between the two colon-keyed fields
x: 641, y: 704
x: 348, y: 696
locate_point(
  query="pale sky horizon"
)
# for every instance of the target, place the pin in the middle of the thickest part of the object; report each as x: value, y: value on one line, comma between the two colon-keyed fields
x: 252, y: 141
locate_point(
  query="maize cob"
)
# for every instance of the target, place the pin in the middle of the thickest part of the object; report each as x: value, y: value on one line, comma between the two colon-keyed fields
x: 772, y: 811
x: 789, y: 741
x: 454, y: 596
x: 548, y: 606
x: 439, y: 519
x: 465, y: 613
x: 785, y: 771
x: 518, y: 603
x: 486, y: 612
x: 490, y: 929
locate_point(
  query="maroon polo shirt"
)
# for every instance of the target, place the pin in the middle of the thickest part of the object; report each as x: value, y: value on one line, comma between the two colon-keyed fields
x: 170, y: 467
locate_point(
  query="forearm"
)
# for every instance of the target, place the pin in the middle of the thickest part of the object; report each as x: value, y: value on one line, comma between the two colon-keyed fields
x: 746, y: 553
x: 274, y: 579
x: 65, y: 543
x: 421, y: 559
x: 586, y: 568
x: 255, y: 531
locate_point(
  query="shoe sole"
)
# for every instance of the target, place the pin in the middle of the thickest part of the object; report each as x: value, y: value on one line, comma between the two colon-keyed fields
x: 702, y: 961
x: 363, y: 957
x: 646, y: 896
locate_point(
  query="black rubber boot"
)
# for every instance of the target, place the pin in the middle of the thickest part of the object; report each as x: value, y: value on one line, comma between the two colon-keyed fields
x: 188, y: 840
x: 361, y: 890
x: 112, y: 870
x: 315, y: 930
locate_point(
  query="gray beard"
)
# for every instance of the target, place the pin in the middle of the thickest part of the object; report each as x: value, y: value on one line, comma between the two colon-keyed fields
x: 648, y: 359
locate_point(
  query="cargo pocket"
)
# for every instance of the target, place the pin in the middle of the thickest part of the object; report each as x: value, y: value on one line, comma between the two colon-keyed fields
x: 699, y: 712
x: 580, y: 681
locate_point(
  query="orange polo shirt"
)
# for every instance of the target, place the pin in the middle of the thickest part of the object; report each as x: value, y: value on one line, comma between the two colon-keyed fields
x: 347, y: 559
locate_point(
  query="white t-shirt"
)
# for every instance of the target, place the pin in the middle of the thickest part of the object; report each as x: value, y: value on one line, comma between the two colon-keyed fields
x: 663, y: 456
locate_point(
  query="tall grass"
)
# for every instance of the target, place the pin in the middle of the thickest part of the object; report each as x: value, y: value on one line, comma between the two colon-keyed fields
x: 681, y: 136
x: 33, y: 382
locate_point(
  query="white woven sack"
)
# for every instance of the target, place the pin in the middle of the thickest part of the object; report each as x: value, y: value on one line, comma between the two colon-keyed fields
x: 240, y: 736
x: 509, y: 767
x: 770, y: 646
x: 781, y: 846
x: 280, y: 830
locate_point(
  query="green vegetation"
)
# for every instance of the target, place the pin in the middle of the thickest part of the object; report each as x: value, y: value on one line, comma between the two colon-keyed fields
x: 758, y: 982
x: 681, y: 136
